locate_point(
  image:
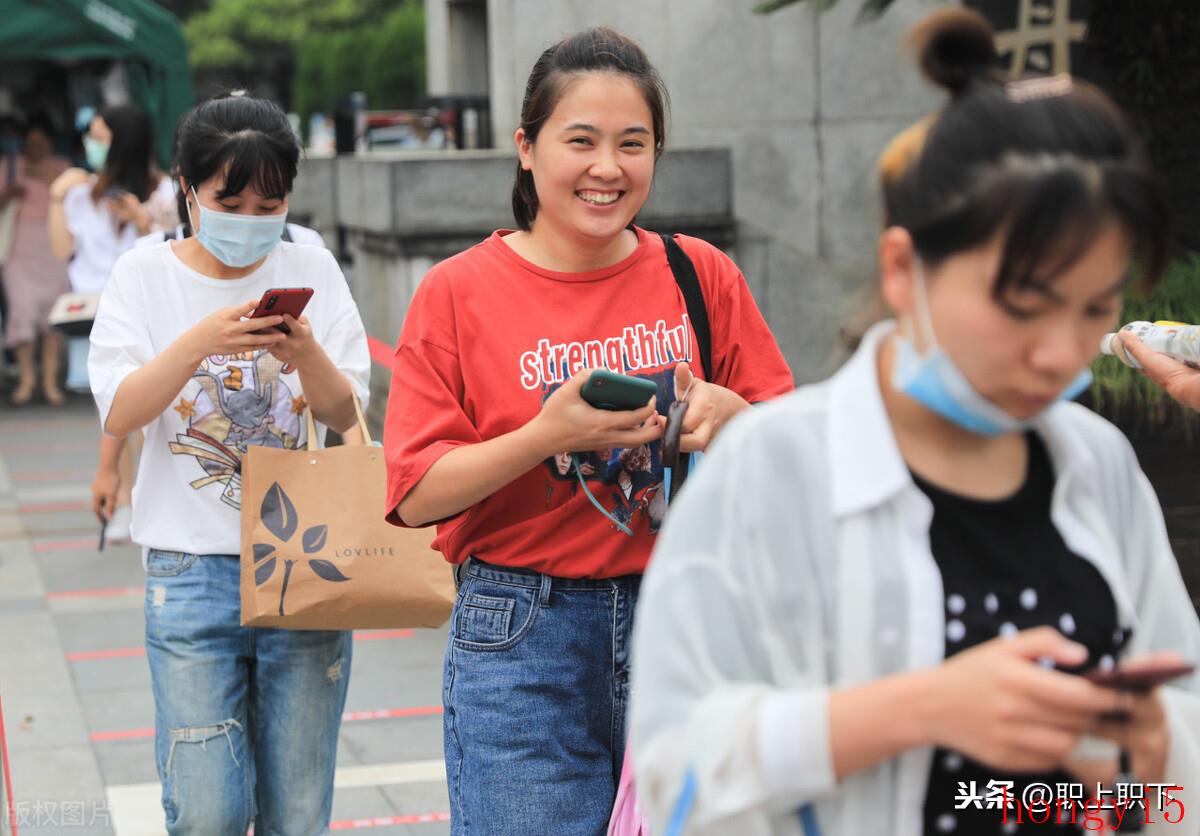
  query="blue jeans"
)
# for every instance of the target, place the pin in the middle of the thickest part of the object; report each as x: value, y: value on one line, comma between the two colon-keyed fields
x: 246, y: 719
x: 536, y: 687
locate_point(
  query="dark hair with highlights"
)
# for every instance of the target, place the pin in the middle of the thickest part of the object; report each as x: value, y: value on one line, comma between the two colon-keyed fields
x: 1044, y: 163
x: 599, y: 49
x: 130, y: 161
x: 249, y: 139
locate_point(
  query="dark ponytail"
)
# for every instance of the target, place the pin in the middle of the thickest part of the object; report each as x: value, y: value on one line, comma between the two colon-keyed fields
x: 1045, y: 162
x: 593, y: 50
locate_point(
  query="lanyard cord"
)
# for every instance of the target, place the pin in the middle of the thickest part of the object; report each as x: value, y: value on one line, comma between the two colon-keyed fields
x: 624, y: 528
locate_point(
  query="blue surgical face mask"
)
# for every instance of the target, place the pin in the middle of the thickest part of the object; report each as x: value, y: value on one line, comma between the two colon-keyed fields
x: 936, y: 383
x: 95, y: 151
x: 237, y: 240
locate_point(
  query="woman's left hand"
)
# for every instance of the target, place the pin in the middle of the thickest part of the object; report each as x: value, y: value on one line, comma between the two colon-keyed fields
x: 299, y: 345
x: 1145, y: 736
x: 1143, y: 733
x: 709, y: 408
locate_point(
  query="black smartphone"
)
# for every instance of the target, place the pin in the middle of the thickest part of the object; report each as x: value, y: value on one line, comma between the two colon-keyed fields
x: 1140, y: 676
x: 608, y: 390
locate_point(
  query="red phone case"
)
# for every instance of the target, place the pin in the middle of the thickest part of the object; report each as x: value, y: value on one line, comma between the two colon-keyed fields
x: 283, y: 300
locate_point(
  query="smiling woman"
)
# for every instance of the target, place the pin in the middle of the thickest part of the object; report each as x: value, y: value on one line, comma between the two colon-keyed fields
x: 488, y: 437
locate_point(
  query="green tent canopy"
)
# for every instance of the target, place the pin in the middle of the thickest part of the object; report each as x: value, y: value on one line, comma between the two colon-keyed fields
x: 144, y: 36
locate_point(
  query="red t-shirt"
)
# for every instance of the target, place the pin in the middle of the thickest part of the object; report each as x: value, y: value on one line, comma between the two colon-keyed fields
x: 489, y: 336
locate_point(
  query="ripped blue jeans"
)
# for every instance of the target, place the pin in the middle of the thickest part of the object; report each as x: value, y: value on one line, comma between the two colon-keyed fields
x: 246, y: 719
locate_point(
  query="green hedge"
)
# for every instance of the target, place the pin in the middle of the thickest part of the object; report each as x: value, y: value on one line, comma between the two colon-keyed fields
x: 385, y: 60
x: 1126, y: 395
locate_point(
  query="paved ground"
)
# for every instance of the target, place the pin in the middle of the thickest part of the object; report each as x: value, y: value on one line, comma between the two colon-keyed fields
x: 75, y: 687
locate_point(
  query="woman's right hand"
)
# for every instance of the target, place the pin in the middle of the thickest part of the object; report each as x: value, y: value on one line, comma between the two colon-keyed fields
x: 1179, y: 381
x: 568, y: 422
x: 999, y: 705
x: 66, y: 181
x: 226, y: 332
x: 104, y: 492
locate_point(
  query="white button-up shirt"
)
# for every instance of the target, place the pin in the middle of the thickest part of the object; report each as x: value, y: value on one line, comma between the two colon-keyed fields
x: 797, y: 561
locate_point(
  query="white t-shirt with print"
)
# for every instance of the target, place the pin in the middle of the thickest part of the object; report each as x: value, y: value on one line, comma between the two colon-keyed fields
x: 187, y: 495
x: 99, y: 238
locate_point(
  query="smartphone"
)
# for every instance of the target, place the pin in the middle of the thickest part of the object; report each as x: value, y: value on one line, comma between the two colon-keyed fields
x: 1140, y: 676
x: 283, y: 300
x: 609, y: 390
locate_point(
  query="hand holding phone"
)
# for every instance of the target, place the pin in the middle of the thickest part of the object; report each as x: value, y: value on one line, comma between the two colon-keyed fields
x: 283, y: 300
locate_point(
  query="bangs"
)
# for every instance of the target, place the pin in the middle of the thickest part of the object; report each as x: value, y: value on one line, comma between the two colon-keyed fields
x: 253, y: 159
x: 1048, y: 210
x: 1056, y: 220
x: 1060, y: 214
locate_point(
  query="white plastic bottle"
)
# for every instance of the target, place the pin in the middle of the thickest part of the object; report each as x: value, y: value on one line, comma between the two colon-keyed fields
x: 1177, y: 340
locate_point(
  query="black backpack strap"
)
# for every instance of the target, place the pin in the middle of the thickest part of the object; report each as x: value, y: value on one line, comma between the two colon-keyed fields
x: 685, y: 276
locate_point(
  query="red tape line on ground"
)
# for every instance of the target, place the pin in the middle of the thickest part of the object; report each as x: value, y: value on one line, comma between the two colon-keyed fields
x: 381, y: 352
x: 112, y: 592
x: 63, y: 475
x: 348, y: 717
x: 65, y: 545
x: 388, y: 821
x: 8, y: 790
x: 53, y: 507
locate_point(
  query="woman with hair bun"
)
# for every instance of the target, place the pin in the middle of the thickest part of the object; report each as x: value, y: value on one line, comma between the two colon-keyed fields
x: 869, y: 612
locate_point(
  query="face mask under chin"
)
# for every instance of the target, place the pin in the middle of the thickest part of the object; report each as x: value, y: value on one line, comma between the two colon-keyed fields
x: 934, y: 380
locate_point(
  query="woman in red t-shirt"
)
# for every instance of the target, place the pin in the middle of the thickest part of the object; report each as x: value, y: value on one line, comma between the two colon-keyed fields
x: 549, y: 504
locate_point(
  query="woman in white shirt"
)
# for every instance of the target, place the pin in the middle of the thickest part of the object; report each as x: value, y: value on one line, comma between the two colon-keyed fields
x: 247, y: 719
x: 867, y: 612
x: 94, y: 218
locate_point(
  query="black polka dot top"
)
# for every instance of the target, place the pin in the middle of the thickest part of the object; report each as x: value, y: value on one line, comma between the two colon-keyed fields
x: 1005, y: 568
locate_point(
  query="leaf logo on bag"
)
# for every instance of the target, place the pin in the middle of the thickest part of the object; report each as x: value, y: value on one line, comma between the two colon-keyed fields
x: 278, y: 514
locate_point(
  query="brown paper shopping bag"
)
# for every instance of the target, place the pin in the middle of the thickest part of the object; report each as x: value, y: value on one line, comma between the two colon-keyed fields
x: 317, y: 553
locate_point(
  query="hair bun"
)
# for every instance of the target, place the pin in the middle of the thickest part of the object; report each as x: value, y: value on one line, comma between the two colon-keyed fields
x: 954, y: 47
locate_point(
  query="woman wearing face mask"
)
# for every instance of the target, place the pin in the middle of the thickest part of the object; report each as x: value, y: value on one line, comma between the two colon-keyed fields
x: 33, y: 277
x: 247, y: 719
x: 875, y: 597
x: 485, y: 398
x: 94, y: 218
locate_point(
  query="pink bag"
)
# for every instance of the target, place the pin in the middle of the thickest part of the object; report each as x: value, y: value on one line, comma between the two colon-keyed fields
x: 627, y: 818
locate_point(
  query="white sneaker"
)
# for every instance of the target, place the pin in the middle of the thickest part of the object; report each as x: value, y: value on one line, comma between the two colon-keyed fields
x: 117, y: 530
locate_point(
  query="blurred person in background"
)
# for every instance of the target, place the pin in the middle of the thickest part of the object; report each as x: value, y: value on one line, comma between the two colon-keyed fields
x: 10, y: 150
x: 878, y: 593
x: 94, y: 218
x: 33, y: 277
